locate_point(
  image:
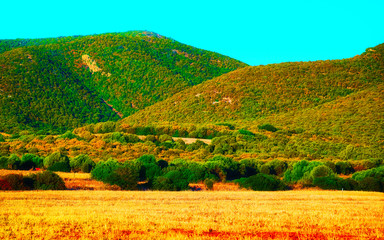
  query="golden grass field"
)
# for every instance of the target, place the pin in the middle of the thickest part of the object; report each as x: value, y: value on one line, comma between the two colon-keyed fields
x: 191, y: 215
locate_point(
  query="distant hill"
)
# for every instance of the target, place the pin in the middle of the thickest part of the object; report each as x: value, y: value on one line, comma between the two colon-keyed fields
x: 62, y: 83
x: 338, y: 98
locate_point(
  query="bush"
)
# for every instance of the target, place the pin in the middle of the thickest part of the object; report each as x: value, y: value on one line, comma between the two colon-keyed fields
x: 164, y: 138
x: 104, y: 169
x: 29, y: 161
x: 300, y: 170
x: 268, y: 127
x: 82, y: 163
x: 277, y: 167
x: 60, y: 167
x: 3, y: 162
x: 344, y: 167
x: 335, y: 183
x: 261, y: 182
x: 15, y: 181
x: 223, y: 167
x: 2, y: 138
x: 246, y: 132
x: 248, y: 167
x: 4, y: 185
x: 54, y: 158
x: 48, y: 180
x: 209, y: 183
x: 371, y: 184
x: 175, y: 180
x: 69, y: 135
x: 125, y: 176
x: 14, y: 162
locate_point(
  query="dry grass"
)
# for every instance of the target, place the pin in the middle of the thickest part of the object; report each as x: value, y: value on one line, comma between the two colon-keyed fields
x: 191, y: 215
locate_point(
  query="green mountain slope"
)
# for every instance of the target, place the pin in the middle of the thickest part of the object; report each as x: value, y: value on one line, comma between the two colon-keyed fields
x: 287, y: 95
x: 62, y: 83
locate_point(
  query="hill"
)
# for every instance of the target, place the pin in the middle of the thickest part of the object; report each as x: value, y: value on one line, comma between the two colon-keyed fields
x: 62, y: 83
x: 338, y: 98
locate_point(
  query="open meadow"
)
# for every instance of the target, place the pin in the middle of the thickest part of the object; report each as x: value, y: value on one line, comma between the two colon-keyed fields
x: 191, y: 215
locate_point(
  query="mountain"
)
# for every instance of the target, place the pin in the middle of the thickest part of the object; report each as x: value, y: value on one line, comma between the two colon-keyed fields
x: 62, y: 83
x: 337, y: 99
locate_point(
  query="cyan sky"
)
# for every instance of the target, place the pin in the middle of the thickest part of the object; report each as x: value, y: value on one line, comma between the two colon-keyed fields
x: 255, y: 32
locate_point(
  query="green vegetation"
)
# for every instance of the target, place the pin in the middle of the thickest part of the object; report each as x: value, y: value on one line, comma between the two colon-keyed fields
x: 46, y: 180
x: 63, y: 83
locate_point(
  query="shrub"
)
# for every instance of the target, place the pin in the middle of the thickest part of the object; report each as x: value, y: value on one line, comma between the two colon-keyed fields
x: 344, y: 167
x: 300, y: 170
x: 82, y: 163
x: 4, y: 185
x: 2, y: 138
x: 60, y: 167
x: 54, y: 158
x: 164, y: 138
x: 334, y: 182
x: 277, y: 167
x: 261, y: 182
x: 69, y: 135
x: 265, y: 169
x: 15, y: 181
x: 248, y: 167
x: 371, y: 184
x: 48, y: 180
x: 246, y: 132
x: 29, y: 161
x: 223, y: 167
x: 3, y: 162
x: 125, y: 176
x: 175, y: 180
x: 14, y: 162
x: 209, y: 183
x: 104, y: 169
x: 268, y: 127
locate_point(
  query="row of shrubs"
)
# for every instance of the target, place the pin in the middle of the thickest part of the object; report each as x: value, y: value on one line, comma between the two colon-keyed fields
x: 46, y: 180
x: 53, y: 162
x: 256, y: 175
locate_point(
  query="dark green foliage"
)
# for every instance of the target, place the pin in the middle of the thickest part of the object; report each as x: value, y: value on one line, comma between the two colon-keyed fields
x: 3, y: 162
x: 371, y: 184
x: 261, y: 182
x: 175, y: 180
x: 82, y: 163
x: 2, y: 138
x: 69, y: 135
x: 104, y: 169
x: 224, y: 168
x: 249, y: 167
x: 55, y: 157
x: 48, y: 180
x: 277, y: 167
x: 29, y: 161
x: 246, y: 132
x: 148, y: 168
x: 334, y: 182
x: 125, y: 176
x: 377, y: 173
x: 343, y: 167
x: 268, y: 127
x: 60, y: 167
x: 14, y: 162
x: 300, y: 170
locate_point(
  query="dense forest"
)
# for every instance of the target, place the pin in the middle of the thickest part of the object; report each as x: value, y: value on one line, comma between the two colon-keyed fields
x: 62, y: 83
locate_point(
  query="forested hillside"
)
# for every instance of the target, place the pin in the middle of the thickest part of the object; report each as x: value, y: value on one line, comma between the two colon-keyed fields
x: 62, y: 83
x: 339, y: 99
